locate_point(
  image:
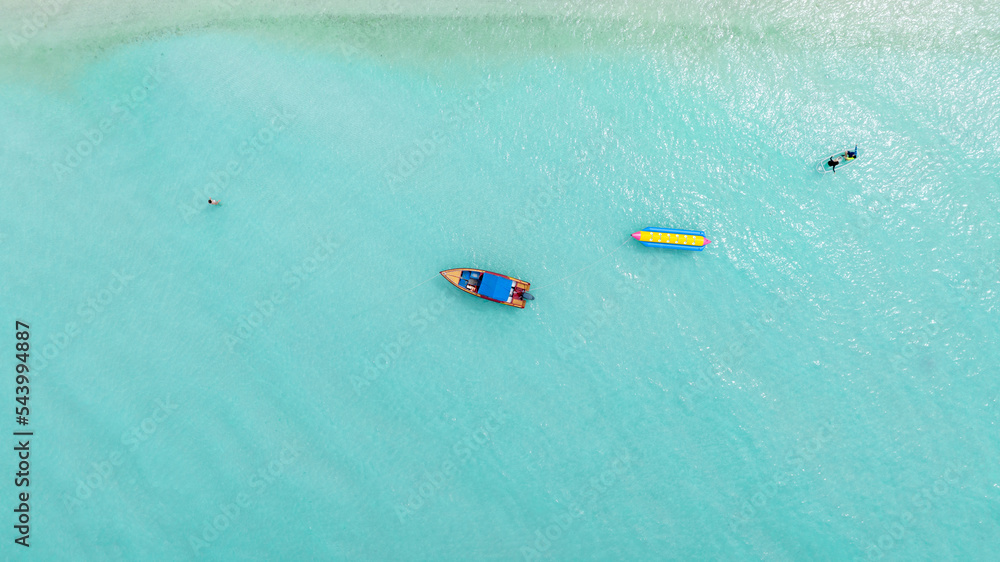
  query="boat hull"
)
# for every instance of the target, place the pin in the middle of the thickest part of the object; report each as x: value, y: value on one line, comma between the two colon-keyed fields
x: 473, y: 284
x: 656, y: 237
x: 823, y: 168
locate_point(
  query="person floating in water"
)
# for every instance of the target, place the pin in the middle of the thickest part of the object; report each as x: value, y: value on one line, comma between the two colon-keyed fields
x: 833, y: 163
x: 213, y: 202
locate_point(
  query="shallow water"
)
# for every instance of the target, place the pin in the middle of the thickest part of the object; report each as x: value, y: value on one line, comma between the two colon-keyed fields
x: 287, y: 377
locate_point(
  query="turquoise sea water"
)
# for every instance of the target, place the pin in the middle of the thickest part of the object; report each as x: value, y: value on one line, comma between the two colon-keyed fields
x: 287, y: 377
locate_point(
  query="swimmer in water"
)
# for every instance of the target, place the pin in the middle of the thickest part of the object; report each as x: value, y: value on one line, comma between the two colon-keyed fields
x: 213, y: 202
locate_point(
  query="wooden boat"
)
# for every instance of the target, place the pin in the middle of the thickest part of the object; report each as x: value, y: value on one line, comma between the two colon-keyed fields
x: 490, y: 286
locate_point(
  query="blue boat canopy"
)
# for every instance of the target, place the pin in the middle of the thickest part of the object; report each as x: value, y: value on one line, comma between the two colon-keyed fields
x: 496, y: 288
